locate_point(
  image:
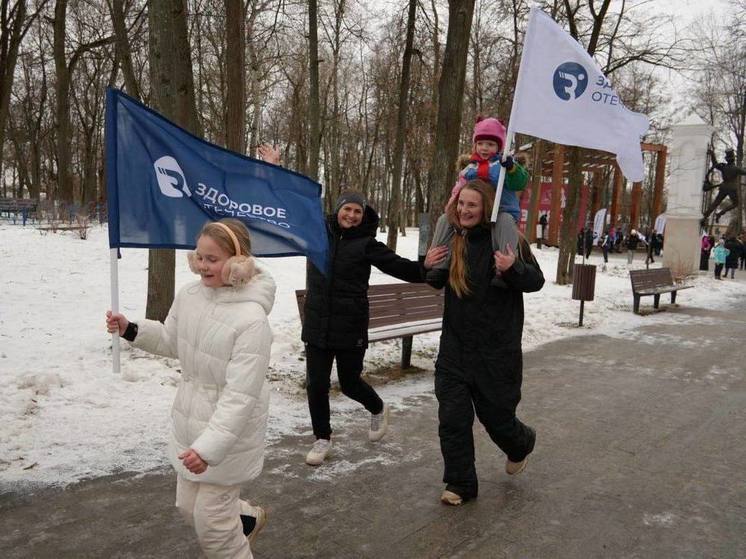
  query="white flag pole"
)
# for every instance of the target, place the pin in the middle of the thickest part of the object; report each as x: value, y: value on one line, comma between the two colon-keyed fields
x: 509, y: 136
x: 503, y: 172
x: 114, y: 269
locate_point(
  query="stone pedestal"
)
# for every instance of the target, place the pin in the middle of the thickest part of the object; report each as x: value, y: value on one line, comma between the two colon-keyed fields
x: 684, y: 186
x: 682, y: 248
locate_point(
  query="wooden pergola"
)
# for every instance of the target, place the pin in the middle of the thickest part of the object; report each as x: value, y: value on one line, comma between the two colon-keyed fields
x: 549, y: 161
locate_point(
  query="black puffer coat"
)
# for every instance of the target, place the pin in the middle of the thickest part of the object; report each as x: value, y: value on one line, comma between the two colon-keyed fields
x: 336, y: 309
x: 735, y: 248
x: 486, y: 326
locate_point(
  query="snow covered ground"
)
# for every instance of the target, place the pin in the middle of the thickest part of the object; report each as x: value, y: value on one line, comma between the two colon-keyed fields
x: 64, y: 416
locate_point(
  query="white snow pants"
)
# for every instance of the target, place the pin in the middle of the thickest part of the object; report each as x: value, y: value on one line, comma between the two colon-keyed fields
x: 214, y: 512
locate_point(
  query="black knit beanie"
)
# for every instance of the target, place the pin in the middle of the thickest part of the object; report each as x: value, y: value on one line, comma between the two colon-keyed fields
x: 350, y: 197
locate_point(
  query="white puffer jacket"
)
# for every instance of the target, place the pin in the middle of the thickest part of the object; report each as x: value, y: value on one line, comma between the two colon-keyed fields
x: 222, y: 339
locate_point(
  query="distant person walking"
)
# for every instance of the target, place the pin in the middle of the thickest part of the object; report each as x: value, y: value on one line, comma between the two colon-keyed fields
x: 633, y: 240
x: 719, y: 255
x: 543, y: 222
x: 731, y: 261
x: 651, y: 242
x: 588, y: 242
x: 705, y: 246
x: 606, y: 244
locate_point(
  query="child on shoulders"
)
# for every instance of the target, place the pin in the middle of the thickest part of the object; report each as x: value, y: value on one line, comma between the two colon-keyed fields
x: 486, y: 163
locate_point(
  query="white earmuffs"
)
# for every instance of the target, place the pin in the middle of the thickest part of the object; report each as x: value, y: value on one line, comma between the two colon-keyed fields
x: 237, y: 270
x: 192, y: 260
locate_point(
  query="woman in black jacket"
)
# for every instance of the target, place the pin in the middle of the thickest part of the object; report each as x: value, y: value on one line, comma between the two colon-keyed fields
x: 731, y: 261
x: 479, y: 365
x: 335, y: 324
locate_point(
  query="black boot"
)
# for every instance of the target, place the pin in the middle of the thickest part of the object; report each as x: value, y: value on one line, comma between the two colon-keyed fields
x: 252, y: 525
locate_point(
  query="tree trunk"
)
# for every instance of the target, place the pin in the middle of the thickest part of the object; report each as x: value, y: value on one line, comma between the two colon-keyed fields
x: 569, y: 219
x: 256, y: 98
x: 64, y: 70
x: 124, y: 54
x: 401, y: 128
x: 172, y: 93
x: 235, y: 126
x: 450, y: 105
x: 10, y: 40
x: 533, y: 207
x: 313, y: 101
x: 62, y: 108
x: 35, y: 128
x: 88, y: 163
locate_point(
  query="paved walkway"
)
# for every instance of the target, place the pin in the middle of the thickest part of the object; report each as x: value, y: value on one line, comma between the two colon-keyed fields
x: 641, y: 453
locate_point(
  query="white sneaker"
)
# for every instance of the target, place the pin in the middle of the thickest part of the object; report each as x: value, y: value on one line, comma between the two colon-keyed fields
x: 379, y: 424
x: 515, y: 468
x: 261, y: 520
x: 451, y: 498
x: 319, y: 451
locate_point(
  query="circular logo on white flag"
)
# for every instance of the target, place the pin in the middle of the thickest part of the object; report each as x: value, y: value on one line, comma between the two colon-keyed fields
x: 570, y: 81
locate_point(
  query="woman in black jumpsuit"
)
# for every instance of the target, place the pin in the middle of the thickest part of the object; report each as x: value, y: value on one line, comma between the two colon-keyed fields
x: 479, y: 365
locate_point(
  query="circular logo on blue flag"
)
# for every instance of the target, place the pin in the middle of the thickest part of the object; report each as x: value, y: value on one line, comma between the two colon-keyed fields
x: 171, y: 179
x: 570, y: 81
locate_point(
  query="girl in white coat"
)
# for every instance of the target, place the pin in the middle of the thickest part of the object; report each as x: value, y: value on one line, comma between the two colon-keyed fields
x: 218, y: 329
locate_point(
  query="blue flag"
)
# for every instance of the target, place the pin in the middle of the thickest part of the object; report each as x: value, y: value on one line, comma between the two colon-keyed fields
x: 163, y: 184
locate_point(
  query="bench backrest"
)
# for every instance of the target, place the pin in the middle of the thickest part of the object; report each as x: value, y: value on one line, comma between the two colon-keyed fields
x: 396, y: 303
x: 650, y: 279
x: 18, y: 203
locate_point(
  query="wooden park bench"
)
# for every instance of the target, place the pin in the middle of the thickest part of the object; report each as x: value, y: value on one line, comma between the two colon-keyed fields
x: 653, y: 282
x: 398, y: 310
x: 24, y: 206
x: 56, y: 227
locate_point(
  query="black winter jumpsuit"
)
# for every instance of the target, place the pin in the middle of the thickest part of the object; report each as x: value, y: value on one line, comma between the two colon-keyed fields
x: 479, y: 366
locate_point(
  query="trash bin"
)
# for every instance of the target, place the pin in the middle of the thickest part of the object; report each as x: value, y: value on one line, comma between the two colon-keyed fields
x: 584, y: 282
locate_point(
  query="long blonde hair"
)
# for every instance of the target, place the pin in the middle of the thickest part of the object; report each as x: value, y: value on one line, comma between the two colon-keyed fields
x: 457, y: 271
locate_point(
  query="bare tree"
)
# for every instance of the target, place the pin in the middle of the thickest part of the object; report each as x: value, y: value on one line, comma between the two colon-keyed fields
x: 314, y: 113
x: 394, y: 212
x: 450, y: 103
x: 14, y: 24
x: 123, y: 50
x: 64, y: 68
x: 172, y: 84
x: 314, y: 77
x: 30, y: 109
x: 235, y: 124
x: 719, y: 71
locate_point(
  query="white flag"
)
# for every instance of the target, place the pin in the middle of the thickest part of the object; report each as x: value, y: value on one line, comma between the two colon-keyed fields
x: 599, y: 224
x: 562, y: 96
x: 660, y: 224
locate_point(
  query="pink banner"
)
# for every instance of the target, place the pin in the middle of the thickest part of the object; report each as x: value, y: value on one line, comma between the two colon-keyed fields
x: 545, y: 203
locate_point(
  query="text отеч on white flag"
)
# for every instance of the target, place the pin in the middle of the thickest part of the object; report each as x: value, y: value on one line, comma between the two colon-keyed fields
x: 562, y: 96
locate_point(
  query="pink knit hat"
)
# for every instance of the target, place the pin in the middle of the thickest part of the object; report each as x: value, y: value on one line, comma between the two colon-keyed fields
x: 489, y: 129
